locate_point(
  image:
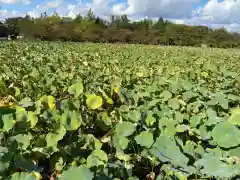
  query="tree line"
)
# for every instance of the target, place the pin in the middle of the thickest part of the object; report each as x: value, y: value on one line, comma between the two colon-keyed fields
x: 119, y: 29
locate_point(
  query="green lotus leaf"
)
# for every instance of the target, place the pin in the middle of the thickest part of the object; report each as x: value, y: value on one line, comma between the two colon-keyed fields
x: 222, y: 100
x: 122, y: 156
x: 179, y: 116
x: 213, y: 119
x: 233, y: 97
x: 175, y: 86
x: 145, y: 139
x: 189, y: 148
x: 204, y: 134
x: 195, y: 121
x: 182, y: 128
x: 188, y: 95
x: 216, y: 152
x: 166, y: 95
x: 104, y: 120
x: 97, y: 158
x: 166, y: 150
x: 2, y: 85
x: 23, y: 140
x: 106, y: 97
x: 234, y: 119
x: 71, y: 120
x: 53, y: 138
x: 164, y: 121
x: 212, y: 166
x: 93, y: 101
x: 181, y: 175
x: 133, y: 178
x: 76, y: 89
x: 210, y: 67
x: 93, y: 142
x: 32, y: 118
x: 212, y: 102
x: 120, y: 142
x: 58, y: 163
x: 235, y: 110
x: 236, y: 168
x: 125, y: 129
x: 94, y: 161
x: 174, y: 104
x: 49, y: 101
x: 26, y: 102
x: 169, y: 131
x: 100, y: 154
x: 24, y: 163
x: 3, y: 164
x: 8, y: 122
x: 23, y: 176
x: 81, y: 172
x: 187, y: 85
x: 134, y: 116
x: 17, y: 91
x: 200, y: 150
x: 152, y: 103
x: 167, y: 126
x: 235, y: 152
x: 226, y: 135
x: 150, y: 120
x: 160, y: 177
x: 143, y: 94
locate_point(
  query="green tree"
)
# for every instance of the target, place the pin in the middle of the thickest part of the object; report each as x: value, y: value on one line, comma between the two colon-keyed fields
x: 3, y: 30
x: 90, y: 15
x: 13, y: 25
x: 118, y: 29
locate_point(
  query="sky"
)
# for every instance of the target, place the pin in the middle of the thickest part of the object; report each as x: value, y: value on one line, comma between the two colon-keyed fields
x: 212, y: 13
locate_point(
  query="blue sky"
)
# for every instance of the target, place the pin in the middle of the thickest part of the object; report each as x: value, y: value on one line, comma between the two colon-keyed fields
x: 213, y: 13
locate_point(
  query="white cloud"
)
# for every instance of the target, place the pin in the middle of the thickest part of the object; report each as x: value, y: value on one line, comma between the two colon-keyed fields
x: 33, y: 14
x: 217, y: 14
x: 54, y: 4
x: 157, y: 8
x: 221, y: 12
x: 119, y: 8
x: 99, y: 7
x: 7, y: 14
x: 3, y: 14
x: 45, y: 7
x: 179, y: 21
x: 134, y: 9
x: 15, y: 1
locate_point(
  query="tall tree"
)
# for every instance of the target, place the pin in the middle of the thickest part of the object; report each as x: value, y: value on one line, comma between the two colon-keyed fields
x: 3, y: 30
x: 13, y: 25
x: 90, y: 15
x: 160, y: 24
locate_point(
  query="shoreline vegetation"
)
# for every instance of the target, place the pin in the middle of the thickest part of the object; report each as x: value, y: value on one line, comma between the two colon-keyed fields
x: 119, y: 29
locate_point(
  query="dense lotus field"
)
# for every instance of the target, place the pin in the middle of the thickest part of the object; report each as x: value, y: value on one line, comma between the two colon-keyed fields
x: 72, y: 111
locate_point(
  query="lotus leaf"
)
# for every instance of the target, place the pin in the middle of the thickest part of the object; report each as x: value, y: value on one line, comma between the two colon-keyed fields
x: 226, y: 135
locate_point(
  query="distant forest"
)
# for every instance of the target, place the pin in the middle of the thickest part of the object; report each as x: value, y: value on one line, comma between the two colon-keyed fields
x: 119, y: 29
